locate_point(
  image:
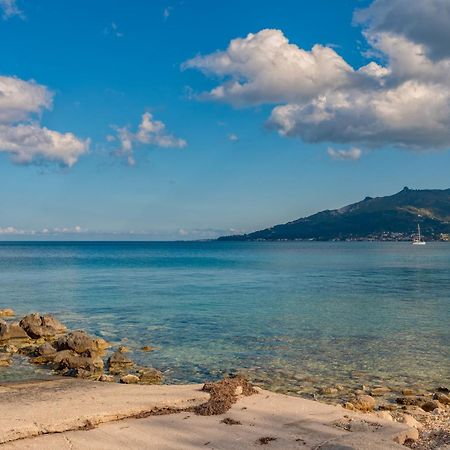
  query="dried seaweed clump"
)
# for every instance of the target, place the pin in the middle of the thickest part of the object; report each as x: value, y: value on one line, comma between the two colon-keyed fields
x: 223, y: 394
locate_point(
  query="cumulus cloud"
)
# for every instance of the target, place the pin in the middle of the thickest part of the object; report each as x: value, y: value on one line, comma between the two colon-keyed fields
x: 233, y: 137
x: 10, y: 9
x: 30, y: 143
x: 21, y: 135
x: 352, y: 154
x: 319, y: 97
x: 150, y: 132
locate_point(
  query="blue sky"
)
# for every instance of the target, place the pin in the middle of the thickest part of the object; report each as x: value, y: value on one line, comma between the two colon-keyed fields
x: 220, y: 165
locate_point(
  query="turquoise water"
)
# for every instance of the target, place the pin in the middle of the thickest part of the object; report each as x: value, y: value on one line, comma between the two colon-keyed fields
x: 285, y: 313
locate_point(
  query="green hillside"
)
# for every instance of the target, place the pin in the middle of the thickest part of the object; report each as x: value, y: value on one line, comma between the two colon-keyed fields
x: 393, y: 217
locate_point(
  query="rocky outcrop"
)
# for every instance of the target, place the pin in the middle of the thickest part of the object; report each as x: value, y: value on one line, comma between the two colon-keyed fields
x: 81, y: 343
x: 37, y: 326
x: 119, y: 363
x: 67, y: 362
x: 12, y: 331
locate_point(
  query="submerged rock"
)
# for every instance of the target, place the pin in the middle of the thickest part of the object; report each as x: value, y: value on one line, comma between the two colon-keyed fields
x: 7, y: 312
x: 5, y: 360
x: 38, y: 326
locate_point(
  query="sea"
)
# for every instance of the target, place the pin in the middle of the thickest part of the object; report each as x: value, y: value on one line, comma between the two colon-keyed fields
x: 285, y: 314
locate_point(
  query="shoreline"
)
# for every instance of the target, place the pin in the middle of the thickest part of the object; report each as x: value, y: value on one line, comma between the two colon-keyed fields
x: 86, y: 365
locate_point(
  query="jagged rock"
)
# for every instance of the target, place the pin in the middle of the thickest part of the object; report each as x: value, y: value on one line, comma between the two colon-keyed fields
x: 46, y: 349
x: 150, y: 376
x: 129, y: 379
x: 5, y: 360
x: 442, y: 398
x: 38, y: 326
x: 107, y: 378
x: 430, y: 405
x: 70, y: 363
x: 118, y: 363
x: 7, y: 312
x: 364, y: 403
x: 81, y: 343
x: 12, y: 331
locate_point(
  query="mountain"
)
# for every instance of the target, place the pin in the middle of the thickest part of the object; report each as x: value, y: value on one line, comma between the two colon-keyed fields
x: 393, y: 217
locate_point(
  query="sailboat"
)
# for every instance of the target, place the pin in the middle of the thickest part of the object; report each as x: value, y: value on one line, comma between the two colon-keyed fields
x: 418, y: 239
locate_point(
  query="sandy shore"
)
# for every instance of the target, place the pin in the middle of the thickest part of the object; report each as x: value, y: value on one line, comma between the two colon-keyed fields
x: 77, y: 414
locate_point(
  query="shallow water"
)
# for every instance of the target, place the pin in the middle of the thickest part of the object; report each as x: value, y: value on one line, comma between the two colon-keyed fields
x: 290, y: 314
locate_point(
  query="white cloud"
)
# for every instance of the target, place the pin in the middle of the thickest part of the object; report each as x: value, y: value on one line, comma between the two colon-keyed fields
x: 19, y: 99
x: 319, y: 97
x: 352, y: 154
x: 30, y: 143
x: 167, y: 12
x: 21, y: 135
x: 10, y: 9
x: 233, y: 137
x: 13, y: 231
x: 150, y: 132
x: 113, y: 29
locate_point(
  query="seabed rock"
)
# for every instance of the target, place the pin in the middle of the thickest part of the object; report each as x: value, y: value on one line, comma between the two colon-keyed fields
x: 7, y: 312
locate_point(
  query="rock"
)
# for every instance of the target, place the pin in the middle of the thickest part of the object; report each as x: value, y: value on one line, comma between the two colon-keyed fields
x: 7, y: 312
x: 147, y: 348
x: 410, y: 421
x: 9, y: 348
x: 119, y: 363
x: 388, y: 407
x: 5, y: 360
x: 407, y: 392
x: 12, y: 331
x: 443, y: 389
x: 364, y: 403
x: 328, y: 391
x: 81, y: 343
x: 238, y: 391
x: 46, y: 349
x: 38, y: 326
x: 442, y: 398
x: 129, y: 379
x: 378, y: 391
x: 349, y: 406
x: 70, y: 363
x: 150, y: 376
x: 411, y: 434
x: 385, y: 416
x: 107, y: 378
x: 414, y: 401
x: 123, y: 349
x: 430, y: 405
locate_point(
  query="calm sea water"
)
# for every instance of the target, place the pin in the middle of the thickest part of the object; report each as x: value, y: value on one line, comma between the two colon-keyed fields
x: 285, y: 313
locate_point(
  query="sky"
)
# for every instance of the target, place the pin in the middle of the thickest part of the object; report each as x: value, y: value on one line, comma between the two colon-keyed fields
x: 190, y: 119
